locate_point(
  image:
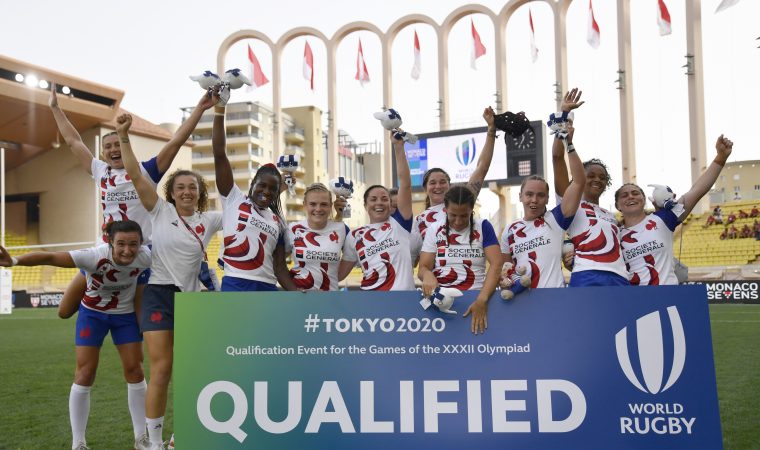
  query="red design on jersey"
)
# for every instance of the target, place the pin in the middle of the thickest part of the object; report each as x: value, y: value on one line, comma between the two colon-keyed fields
x: 651, y: 225
x: 200, y: 229
x: 245, y: 207
x: 84, y: 332
x: 535, y: 272
x: 519, y: 231
x: 539, y: 222
x: 242, y: 250
x: 334, y: 236
x: 628, y: 238
x: 386, y: 226
x: 583, y: 248
x: 325, y: 286
x: 312, y: 238
x: 635, y: 280
x: 370, y: 281
x: 123, y: 211
x: 156, y: 316
x: 111, y: 275
x: 368, y: 235
x: 302, y: 282
x: 453, y: 239
x: 588, y: 208
x: 475, y: 235
x: 654, y: 276
x: 134, y: 273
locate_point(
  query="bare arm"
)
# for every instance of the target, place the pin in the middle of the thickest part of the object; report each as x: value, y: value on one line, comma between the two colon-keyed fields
x: 281, y: 271
x: 705, y: 181
x: 404, y: 199
x: 57, y: 259
x: 479, y: 308
x: 425, y: 273
x: 148, y: 196
x: 167, y: 154
x: 475, y: 183
x: 574, y: 192
x: 345, y: 268
x: 222, y: 167
x: 571, y: 101
x: 69, y: 133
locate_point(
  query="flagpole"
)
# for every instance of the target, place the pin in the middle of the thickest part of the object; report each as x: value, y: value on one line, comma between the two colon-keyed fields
x: 695, y: 78
x: 560, y: 48
x: 625, y: 70
x: 387, y: 102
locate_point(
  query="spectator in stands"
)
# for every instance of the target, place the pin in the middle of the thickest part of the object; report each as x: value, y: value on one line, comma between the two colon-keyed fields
x: 742, y: 214
x: 724, y: 234
x: 733, y: 233
x: 647, y: 239
x: 716, y: 217
x: 756, y: 227
x: 755, y: 212
x: 746, y: 231
x: 731, y: 219
x: 737, y: 195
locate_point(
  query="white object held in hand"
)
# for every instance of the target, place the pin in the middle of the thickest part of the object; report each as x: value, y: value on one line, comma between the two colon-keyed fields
x: 442, y: 298
x: 289, y: 164
x: 390, y: 119
x: 343, y: 188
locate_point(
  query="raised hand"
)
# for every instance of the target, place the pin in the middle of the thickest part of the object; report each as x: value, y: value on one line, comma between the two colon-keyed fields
x: 123, y: 122
x: 53, y: 100
x: 488, y: 116
x: 724, y: 146
x: 209, y: 99
x: 5, y: 258
x: 572, y: 100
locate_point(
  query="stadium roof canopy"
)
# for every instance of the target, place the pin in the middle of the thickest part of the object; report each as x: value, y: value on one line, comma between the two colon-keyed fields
x: 27, y: 127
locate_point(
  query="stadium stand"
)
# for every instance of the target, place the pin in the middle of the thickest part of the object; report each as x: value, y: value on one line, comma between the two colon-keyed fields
x: 702, y: 245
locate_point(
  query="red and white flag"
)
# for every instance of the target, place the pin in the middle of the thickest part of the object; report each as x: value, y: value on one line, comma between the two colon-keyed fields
x: 593, y: 35
x: 308, y: 65
x: 417, y: 67
x: 361, y: 67
x: 533, y: 48
x: 478, y: 49
x: 258, y: 78
x: 725, y: 4
x: 663, y: 18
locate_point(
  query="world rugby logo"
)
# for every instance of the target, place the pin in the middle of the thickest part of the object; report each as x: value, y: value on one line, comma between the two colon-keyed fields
x: 649, y: 342
x: 466, y: 152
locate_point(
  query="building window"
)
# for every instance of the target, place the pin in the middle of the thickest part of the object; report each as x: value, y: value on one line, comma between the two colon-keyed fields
x: 757, y: 187
x: 736, y: 188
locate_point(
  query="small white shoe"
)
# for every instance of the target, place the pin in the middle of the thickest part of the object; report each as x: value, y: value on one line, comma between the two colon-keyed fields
x: 81, y: 446
x: 142, y: 443
x: 171, y: 443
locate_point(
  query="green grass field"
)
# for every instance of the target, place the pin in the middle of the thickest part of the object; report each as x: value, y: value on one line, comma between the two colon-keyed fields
x: 37, y: 368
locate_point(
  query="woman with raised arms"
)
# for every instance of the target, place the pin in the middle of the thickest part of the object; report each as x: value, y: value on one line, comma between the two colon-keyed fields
x: 647, y: 239
x: 182, y: 230
x: 382, y: 247
x: 254, y: 229
x: 436, y: 182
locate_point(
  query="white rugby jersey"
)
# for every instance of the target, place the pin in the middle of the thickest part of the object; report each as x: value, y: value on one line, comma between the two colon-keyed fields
x: 177, y: 254
x: 460, y: 264
x: 382, y: 249
x: 118, y: 197
x: 110, y: 287
x: 317, y: 254
x: 648, y: 249
x: 251, y: 235
x: 537, y: 246
x: 422, y: 222
x: 594, y: 232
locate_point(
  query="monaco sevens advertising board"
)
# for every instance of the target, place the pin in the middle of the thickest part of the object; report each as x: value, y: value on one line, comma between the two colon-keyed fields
x: 582, y: 368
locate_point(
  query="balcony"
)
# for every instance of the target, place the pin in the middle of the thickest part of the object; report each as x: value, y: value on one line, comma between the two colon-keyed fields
x: 233, y: 119
x: 294, y: 134
x: 295, y: 150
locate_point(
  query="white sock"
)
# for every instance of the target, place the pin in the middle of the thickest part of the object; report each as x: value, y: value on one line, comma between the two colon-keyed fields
x: 155, y: 430
x: 136, y: 402
x: 79, y: 411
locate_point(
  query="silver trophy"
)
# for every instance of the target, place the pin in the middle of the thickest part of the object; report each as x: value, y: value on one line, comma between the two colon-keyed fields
x: 343, y: 188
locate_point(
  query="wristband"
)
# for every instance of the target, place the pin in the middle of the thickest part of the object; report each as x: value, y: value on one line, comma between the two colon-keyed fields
x: 722, y: 164
x: 14, y: 261
x: 218, y: 113
x: 570, y: 148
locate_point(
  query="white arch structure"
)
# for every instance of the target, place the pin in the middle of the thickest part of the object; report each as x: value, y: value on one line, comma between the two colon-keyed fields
x: 559, y: 8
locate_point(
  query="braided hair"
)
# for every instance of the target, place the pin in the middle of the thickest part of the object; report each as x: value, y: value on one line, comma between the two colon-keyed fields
x: 275, y: 205
x: 460, y: 195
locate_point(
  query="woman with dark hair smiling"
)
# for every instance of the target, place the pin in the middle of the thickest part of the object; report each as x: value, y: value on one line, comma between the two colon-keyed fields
x: 254, y: 228
x: 647, y: 239
x: 382, y: 247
